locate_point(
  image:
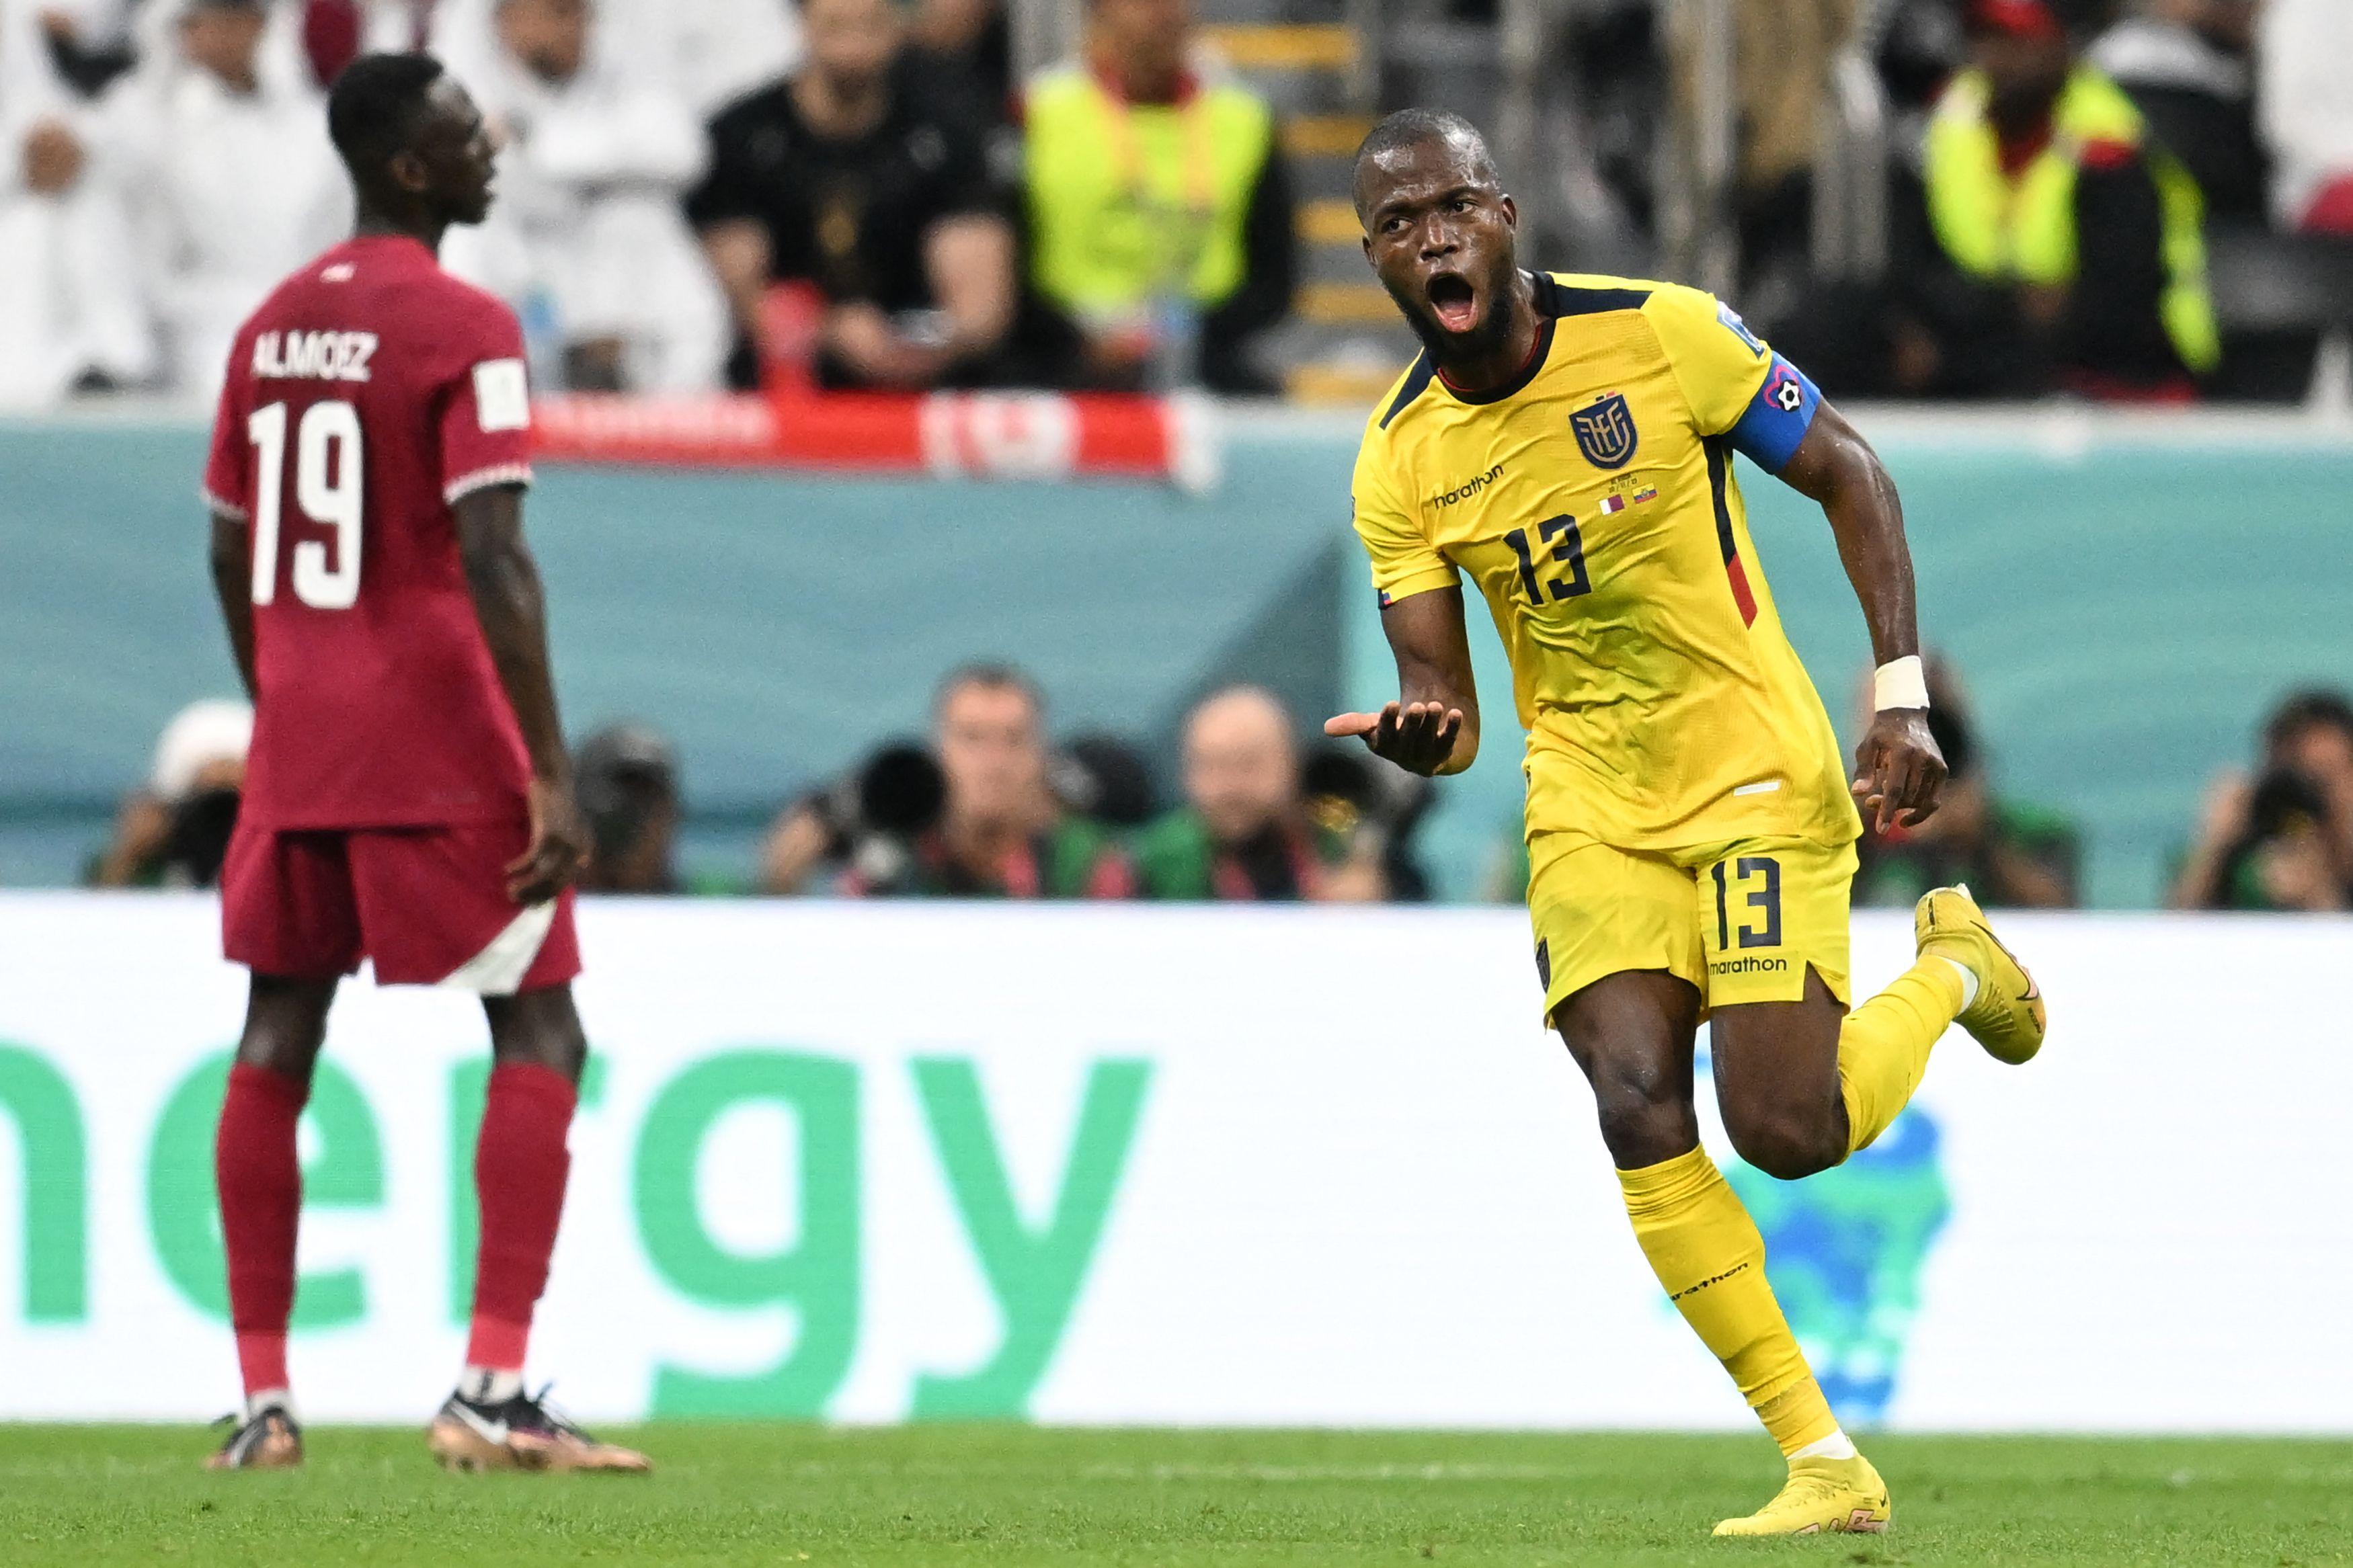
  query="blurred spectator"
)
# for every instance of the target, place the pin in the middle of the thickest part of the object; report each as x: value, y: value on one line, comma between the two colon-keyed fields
x: 2188, y: 65
x: 626, y: 778
x: 718, y: 50
x: 175, y: 832
x: 1244, y: 831
x: 971, y: 38
x: 1779, y: 52
x: 586, y: 240
x: 88, y: 41
x: 704, y: 53
x: 2283, y: 839
x: 227, y: 180
x: 1159, y: 208
x: 2036, y: 172
x: 69, y: 296
x: 862, y: 178
x: 2305, y: 99
x: 2009, y: 854
x: 1000, y: 832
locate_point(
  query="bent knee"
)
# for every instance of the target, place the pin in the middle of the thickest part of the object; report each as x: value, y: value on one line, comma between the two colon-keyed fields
x: 1643, y: 1121
x: 1786, y: 1146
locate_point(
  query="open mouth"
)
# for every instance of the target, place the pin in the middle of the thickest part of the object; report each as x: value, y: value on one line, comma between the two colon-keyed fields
x: 1454, y: 301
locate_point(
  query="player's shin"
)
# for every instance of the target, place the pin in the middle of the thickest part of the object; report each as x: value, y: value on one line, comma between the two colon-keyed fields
x: 1707, y: 1254
x: 521, y: 1165
x: 1883, y: 1045
x: 260, y: 1178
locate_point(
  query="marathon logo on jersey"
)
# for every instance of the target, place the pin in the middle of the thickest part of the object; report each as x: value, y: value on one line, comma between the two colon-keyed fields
x: 1468, y: 488
x: 313, y: 356
x: 1604, y: 432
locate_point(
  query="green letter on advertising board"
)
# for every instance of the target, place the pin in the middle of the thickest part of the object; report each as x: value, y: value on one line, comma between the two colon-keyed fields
x: 816, y: 1276
x: 56, y: 1192
x: 1034, y: 1273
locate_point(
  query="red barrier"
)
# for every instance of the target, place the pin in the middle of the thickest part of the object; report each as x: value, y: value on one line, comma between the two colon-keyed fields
x: 978, y: 435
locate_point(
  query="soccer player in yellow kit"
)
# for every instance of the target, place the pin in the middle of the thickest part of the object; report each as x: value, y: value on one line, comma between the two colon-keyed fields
x: 1567, y: 441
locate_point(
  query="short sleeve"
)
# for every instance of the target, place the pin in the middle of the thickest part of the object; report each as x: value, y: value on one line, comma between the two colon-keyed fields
x: 727, y: 190
x: 1736, y: 386
x: 1405, y: 563
x: 962, y: 186
x: 486, y: 412
x: 228, y: 469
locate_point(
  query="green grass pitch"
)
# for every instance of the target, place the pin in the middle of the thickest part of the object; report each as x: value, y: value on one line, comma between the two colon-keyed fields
x: 1007, y: 1495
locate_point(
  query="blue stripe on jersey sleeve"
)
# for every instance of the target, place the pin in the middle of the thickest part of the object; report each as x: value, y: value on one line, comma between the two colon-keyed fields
x: 1778, y: 416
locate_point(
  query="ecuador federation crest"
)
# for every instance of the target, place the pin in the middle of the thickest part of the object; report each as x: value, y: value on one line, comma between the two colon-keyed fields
x: 1604, y: 432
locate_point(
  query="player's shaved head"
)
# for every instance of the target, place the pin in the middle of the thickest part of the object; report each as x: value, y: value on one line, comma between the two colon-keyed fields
x: 376, y: 107
x: 1407, y: 131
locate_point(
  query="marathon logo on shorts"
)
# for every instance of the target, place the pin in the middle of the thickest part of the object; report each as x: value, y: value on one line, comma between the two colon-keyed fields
x: 1468, y: 488
x: 1544, y: 963
x: 1749, y: 966
x: 313, y: 356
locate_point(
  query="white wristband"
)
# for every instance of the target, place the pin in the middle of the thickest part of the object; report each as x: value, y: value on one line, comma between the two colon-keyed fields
x: 1900, y: 683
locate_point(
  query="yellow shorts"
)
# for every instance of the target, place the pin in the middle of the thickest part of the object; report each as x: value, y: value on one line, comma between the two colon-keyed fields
x: 1741, y: 922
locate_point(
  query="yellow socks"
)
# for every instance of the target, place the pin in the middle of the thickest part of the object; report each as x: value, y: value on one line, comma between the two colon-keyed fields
x: 1883, y: 1045
x: 1705, y: 1250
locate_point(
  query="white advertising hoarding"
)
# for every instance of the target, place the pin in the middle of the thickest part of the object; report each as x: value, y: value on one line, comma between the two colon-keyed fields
x: 1125, y: 1164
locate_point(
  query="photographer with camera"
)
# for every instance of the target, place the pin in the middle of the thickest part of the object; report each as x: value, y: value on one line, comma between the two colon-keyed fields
x: 173, y: 832
x: 625, y: 777
x: 976, y: 817
x: 1247, y: 830
x: 2008, y: 854
x: 2283, y: 839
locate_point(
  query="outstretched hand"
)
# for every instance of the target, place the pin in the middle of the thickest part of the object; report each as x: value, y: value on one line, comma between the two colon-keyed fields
x: 558, y: 847
x: 1417, y: 736
x: 1899, y: 772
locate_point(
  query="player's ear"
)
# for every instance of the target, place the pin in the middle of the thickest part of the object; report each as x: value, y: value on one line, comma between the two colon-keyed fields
x: 409, y: 173
x: 1510, y: 213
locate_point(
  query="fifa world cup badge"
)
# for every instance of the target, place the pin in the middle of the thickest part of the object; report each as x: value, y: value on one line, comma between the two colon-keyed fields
x: 1604, y: 432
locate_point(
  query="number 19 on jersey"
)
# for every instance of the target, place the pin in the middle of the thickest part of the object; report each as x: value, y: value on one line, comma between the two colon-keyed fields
x: 328, y: 469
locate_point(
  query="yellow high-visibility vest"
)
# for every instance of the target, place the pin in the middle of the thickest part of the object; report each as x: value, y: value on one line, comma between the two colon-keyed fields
x: 1129, y: 203
x: 2021, y: 229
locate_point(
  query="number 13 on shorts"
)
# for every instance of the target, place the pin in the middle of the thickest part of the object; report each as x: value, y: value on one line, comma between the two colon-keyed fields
x: 1768, y: 912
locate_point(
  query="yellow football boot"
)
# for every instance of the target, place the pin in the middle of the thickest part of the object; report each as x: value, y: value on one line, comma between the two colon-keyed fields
x: 1833, y: 1496
x: 2007, y: 1017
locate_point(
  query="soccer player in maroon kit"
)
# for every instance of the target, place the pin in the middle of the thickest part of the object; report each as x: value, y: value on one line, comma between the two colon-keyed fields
x: 409, y: 797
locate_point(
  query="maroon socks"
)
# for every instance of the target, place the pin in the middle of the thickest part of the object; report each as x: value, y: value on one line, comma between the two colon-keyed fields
x: 260, y: 1184
x: 519, y: 1167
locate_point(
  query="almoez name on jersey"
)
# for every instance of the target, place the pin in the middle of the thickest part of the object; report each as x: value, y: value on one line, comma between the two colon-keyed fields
x: 313, y: 356
x: 1468, y: 488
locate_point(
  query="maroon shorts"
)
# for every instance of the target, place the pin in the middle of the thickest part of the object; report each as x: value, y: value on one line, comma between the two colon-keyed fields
x: 427, y: 906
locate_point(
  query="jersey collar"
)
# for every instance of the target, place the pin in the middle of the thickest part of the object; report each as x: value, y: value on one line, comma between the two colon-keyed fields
x: 1548, y: 305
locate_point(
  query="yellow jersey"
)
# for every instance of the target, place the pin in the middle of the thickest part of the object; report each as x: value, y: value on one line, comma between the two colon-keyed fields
x: 1592, y: 501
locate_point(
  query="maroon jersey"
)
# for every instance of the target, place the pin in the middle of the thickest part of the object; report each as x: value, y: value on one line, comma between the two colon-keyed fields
x: 368, y: 393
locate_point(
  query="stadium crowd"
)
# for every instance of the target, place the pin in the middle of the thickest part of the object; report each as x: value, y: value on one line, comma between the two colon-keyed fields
x: 854, y: 192
x: 691, y: 195
x: 990, y: 805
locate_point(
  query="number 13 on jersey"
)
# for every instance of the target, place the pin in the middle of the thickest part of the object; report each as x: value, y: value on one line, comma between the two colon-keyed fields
x: 1558, y: 544
x: 329, y: 472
